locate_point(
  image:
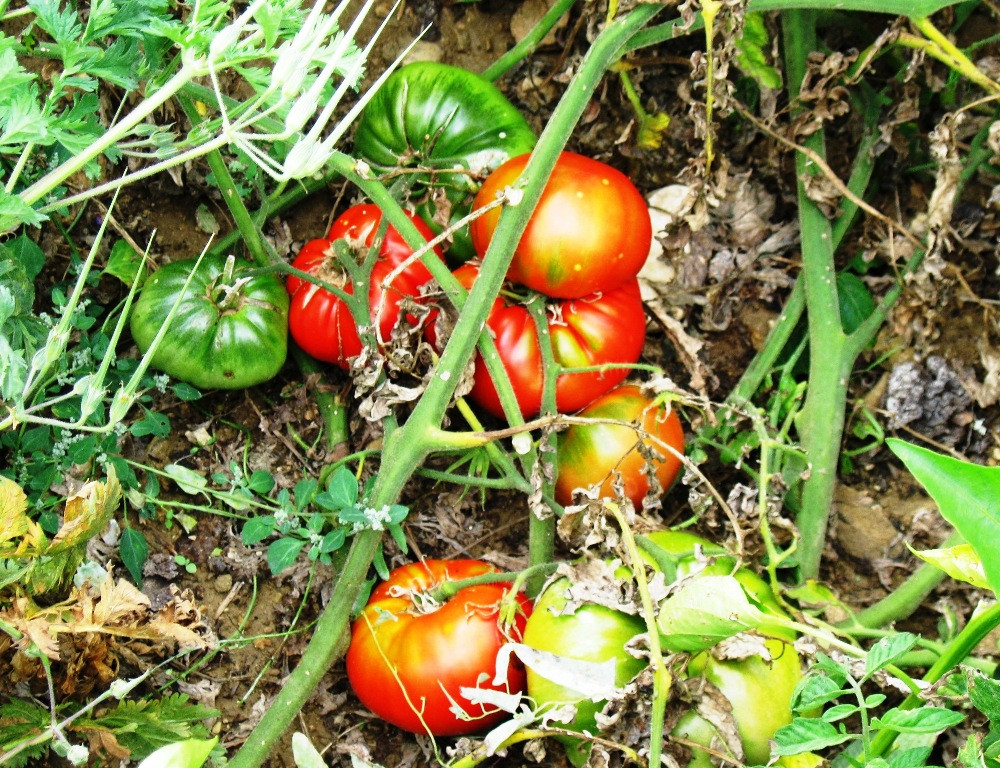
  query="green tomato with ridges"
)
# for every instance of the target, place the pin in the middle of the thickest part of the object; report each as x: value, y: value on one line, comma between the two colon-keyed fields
x: 230, y: 330
x: 451, y: 122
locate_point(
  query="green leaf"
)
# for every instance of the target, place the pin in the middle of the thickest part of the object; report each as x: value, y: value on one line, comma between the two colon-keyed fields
x: 914, y: 757
x: 911, y: 8
x: 14, y: 212
x: 960, y: 562
x: 984, y: 693
x: 304, y: 492
x: 191, y: 753
x: 703, y: 612
x: 342, y: 488
x: 815, y: 690
x: 184, y: 391
x: 839, y: 712
x: 304, y: 753
x: 152, y: 423
x: 920, y: 720
x: 282, y: 553
x: 256, y: 529
x: 333, y: 541
x: 808, y: 734
x: 133, y: 550
x: 124, y: 263
x: 886, y: 651
x: 968, y: 496
x: 187, y: 480
x: 971, y: 754
x: 856, y: 302
x: 261, y: 482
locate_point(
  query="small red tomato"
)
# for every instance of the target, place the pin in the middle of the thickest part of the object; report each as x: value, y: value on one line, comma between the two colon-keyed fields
x: 606, y: 328
x: 408, y: 660
x: 592, y: 454
x: 359, y: 226
x: 589, y: 232
x: 321, y: 323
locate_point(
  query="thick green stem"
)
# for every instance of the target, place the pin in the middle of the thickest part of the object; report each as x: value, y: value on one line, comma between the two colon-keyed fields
x: 821, y: 421
x: 406, y: 448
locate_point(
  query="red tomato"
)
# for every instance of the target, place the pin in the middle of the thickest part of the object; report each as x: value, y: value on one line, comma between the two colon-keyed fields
x: 359, y: 225
x: 407, y: 661
x: 590, y: 231
x: 592, y: 454
x: 321, y: 323
x: 605, y: 328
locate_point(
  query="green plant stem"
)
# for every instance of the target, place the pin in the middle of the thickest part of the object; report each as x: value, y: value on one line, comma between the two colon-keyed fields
x: 406, y: 448
x: 336, y: 430
x: 263, y: 254
x: 449, y: 589
x: 905, y: 598
x: 958, y: 649
x: 529, y: 43
x: 820, y: 423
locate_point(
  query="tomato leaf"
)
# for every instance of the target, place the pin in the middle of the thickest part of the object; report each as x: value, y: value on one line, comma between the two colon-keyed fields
x: 920, y: 720
x: 968, y: 496
x: 808, y: 734
x: 886, y: 651
x: 134, y: 550
x: 281, y: 553
x: 704, y: 611
x: 985, y: 696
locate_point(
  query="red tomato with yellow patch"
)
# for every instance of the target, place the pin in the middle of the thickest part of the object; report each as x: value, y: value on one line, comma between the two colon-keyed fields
x: 409, y: 659
x: 593, y: 454
x: 606, y: 328
x: 589, y: 232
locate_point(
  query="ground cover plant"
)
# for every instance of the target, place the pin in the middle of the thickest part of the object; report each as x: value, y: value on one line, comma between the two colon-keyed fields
x: 292, y: 328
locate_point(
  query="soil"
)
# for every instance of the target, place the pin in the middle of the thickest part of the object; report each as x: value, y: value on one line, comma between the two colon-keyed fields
x: 723, y: 284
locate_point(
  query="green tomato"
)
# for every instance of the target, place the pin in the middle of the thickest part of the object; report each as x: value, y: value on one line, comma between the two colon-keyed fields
x: 591, y: 633
x: 760, y: 692
x: 450, y: 121
x: 230, y: 330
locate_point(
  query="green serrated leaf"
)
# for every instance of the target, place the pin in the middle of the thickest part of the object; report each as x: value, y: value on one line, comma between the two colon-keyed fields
x: 925, y: 719
x: 984, y: 692
x: 124, y: 262
x: 133, y: 550
x: 808, y: 734
x: 282, y: 553
x: 256, y: 529
x: 887, y: 650
x: 968, y: 496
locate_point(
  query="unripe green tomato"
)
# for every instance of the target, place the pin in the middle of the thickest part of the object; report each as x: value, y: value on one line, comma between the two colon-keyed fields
x: 591, y: 633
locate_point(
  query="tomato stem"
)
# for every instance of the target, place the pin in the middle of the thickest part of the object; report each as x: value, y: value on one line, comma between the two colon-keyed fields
x: 448, y: 589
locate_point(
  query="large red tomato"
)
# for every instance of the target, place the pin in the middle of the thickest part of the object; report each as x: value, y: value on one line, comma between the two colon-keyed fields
x: 592, y: 454
x: 590, y: 231
x: 321, y: 322
x: 407, y: 659
x: 359, y: 226
x: 318, y: 320
x: 605, y: 328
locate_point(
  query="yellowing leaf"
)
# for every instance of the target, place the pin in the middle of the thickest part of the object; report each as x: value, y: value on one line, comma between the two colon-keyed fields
x: 19, y: 534
x: 87, y: 512
x: 960, y: 562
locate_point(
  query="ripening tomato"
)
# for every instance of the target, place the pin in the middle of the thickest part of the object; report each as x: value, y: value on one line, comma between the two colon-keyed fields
x: 589, y: 232
x: 604, y: 329
x: 593, y: 454
x: 409, y: 659
x: 318, y: 320
x: 321, y: 323
x: 359, y: 226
